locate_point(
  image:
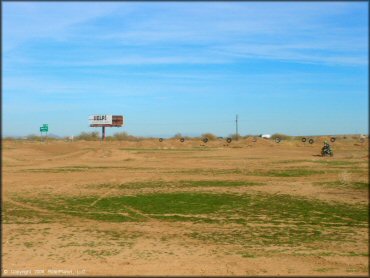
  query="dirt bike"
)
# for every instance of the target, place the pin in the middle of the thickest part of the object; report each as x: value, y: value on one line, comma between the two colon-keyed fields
x: 326, y: 151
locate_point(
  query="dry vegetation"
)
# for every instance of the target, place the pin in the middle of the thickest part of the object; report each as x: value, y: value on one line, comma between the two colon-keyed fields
x: 134, y: 206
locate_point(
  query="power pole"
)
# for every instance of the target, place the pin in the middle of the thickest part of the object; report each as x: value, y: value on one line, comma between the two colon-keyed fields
x: 236, y: 127
x: 103, y: 133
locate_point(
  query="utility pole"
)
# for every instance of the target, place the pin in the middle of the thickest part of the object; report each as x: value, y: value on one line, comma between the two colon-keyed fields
x: 103, y: 133
x: 236, y: 127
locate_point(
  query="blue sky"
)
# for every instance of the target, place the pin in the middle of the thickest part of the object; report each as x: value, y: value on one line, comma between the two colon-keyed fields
x: 168, y: 67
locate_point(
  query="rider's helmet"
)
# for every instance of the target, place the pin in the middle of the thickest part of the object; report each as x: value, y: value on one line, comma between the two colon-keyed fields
x: 326, y: 142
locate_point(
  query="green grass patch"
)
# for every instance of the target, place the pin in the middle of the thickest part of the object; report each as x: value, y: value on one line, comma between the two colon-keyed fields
x: 217, y: 183
x: 29, y: 244
x: 13, y: 214
x: 247, y: 255
x: 256, y: 236
x: 181, y: 218
x: 348, y: 185
x: 336, y: 162
x: 356, y: 254
x: 67, y: 169
x: 58, y: 170
x: 209, y: 171
x: 291, y: 161
x: 176, y: 184
x: 324, y: 269
x: 358, y: 269
x: 293, y: 172
x: 83, y: 208
x: 101, y: 253
x: 358, y: 171
x: 260, y: 208
x: 102, y: 238
x: 258, y: 219
x: 298, y: 172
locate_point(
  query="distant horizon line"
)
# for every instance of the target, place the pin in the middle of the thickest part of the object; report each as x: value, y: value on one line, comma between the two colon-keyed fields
x: 56, y: 136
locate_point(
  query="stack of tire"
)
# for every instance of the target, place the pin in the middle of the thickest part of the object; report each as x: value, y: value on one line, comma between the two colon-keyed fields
x: 304, y: 139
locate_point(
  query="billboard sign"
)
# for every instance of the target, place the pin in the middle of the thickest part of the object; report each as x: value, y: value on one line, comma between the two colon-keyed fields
x: 100, y: 119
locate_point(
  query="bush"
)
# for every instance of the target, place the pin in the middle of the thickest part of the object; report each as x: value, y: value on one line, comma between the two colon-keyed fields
x: 281, y: 136
x: 10, y: 138
x: 209, y: 136
x: 248, y: 136
x: 235, y: 137
x: 33, y: 137
x: 121, y: 136
x: 299, y: 138
x: 88, y: 136
x: 177, y: 136
x: 124, y: 136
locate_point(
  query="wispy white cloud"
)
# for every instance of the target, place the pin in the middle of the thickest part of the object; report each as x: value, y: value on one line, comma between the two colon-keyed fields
x: 166, y: 58
x: 281, y: 32
x: 24, y: 22
x: 142, y: 60
x: 162, y: 33
x: 302, y: 53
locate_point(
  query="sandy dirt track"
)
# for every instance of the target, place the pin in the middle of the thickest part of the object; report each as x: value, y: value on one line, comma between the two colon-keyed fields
x: 172, y: 208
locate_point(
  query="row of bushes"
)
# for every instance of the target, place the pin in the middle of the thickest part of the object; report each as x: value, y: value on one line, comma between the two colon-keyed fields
x: 124, y: 136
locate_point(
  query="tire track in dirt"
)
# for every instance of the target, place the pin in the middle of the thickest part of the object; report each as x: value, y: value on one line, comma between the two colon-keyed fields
x: 73, y: 154
x: 102, y: 196
x: 29, y: 206
x: 41, y: 210
x: 125, y: 206
x: 65, y: 214
x: 139, y: 213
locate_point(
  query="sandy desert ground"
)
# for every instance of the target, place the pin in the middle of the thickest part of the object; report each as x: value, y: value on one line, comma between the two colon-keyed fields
x: 172, y: 208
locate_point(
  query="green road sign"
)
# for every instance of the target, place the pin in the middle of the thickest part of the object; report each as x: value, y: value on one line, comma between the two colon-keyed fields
x: 44, y: 128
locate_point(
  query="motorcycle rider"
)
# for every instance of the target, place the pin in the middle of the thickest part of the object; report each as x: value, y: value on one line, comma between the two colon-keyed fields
x: 326, y: 149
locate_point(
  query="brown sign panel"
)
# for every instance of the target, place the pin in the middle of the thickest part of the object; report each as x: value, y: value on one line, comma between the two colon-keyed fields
x: 117, y: 120
x: 106, y: 120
